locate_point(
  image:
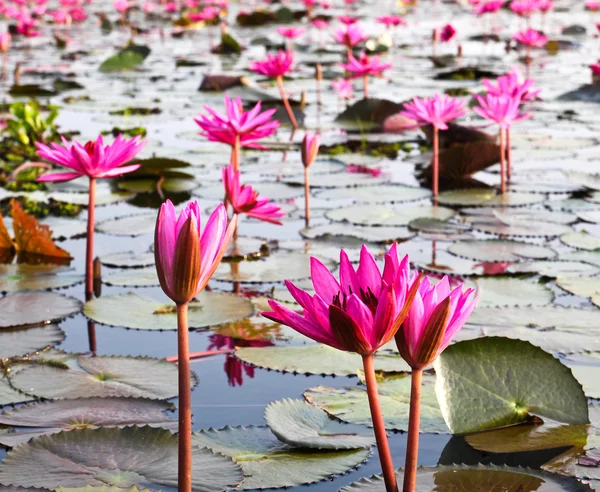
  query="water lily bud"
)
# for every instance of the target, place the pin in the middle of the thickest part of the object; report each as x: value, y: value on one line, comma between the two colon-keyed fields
x: 310, y: 148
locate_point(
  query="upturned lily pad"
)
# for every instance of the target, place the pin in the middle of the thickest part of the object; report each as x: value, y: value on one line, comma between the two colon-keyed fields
x: 131, y: 225
x: 350, y: 403
x: 54, y: 416
x: 461, y: 478
x: 387, y: 215
x: 499, y: 250
x: 141, y: 456
x: 136, y: 277
x: 315, y: 359
x: 126, y: 59
x: 486, y: 197
x: 362, y: 233
x: 269, y: 463
x: 581, y: 240
x: 131, y: 310
x: 34, y: 308
x: 375, y: 194
x: 91, y: 377
x: 541, y: 317
x: 554, y: 268
x: 479, y: 387
x: 303, y: 425
x: 503, y: 291
x: 17, y: 278
x: 127, y: 259
x: 9, y: 395
x: 18, y: 342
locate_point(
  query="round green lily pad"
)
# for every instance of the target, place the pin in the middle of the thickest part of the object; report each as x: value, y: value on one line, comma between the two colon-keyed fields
x: 587, y: 180
x: 375, y: 194
x: 581, y: 240
x: 130, y: 225
x: 131, y: 310
x: 554, y: 268
x: 495, y: 291
x: 439, y: 229
x: 127, y: 259
x: 591, y: 257
x: 90, y: 377
x: 19, y: 342
x: 485, y: 197
x: 499, y: 250
x: 362, y: 233
x: 387, y: 215
x: 269, y: 463
x: 592, y: 216
x: 133, y: 277
x: 34, y: 308
x: 351, y: 404
x: 303, y: 425
x: 141, y: 456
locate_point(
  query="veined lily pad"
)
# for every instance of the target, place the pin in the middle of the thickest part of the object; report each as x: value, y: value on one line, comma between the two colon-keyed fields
x: 269, y: 463
x: 554, y: 268
x: 126, y: 59
x: 592, y: 216
x: 144, y: 313
x: 122, y: 457
x: 54, y: 416
x: 34, y: 308
x: 18, y: 342
x: 303, y: 425
x: 362, y: 233
x: 131, y: 225
x: 479, y: 389
x: 486, y: 197
x: 10, y: 396
x: 350, y: 403
x: 591, y: 257
x: 387, y: 215
x: 315, y: 359
x: 90, y: 377
x: 375, y: 194
x: 524, y: 228
x: 460, y: 478
x: 581, y: 240
x: 542, y: 317
x: 128, y: 259
x: 499, y: 250
x: 512, y: 292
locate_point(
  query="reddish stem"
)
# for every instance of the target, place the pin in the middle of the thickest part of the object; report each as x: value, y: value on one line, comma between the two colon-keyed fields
x: 502, y: 163
x: 306, y: 198
x: 436, y: 161
x: 286, y: 103
x: 412, y: 442
x: 200, y: 355
x: 185, y: 401
x: 385, y: 457
x: 508, y: 156
x: 92, y: 337
x: 366, y: 86
x: 89, y: 251
x: 235, y: 154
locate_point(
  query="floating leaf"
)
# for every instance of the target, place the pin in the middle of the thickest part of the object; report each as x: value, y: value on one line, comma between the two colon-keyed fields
x: 487, y: 198
x: 351, y: 404
x: 375, y: 194
x: 139, y: 277
x: 104, y: 196
x: 17, y: 278
x: 554, y: 268
x: 315, y: 359
x: 581, y: 240
x: 581, y: 286
x: 138, y: 456
x: 131, y: 225
x: 362, y: 233
x: 542, y: 317
x: 524, y: 228
x: 34, y: 308
x: 269, y: 463
x: 126, y: 59
x: 102, y: 377
x: 303, y: 425
x: 54, y: 416
x: 340, y: 180
x: 128, y: 259
x: 275, y: 191
x: 10, y: 396
x: 499, y: 250
x: 144, y: 313
x: 512, y: 292
x: 168, y: 185
x: 494, y: 382
x: 387, y: 215
x: 18, y: 342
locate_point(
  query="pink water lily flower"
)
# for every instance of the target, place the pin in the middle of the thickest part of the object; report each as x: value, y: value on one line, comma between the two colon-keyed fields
x: 488, y: 7
x: 319, y: 24
x: 310, y: 148
x: 249, y: 126
x: 592, y: 5
x: 365, y: 65
x: 391, y: 20
x: 437, y: 110
x: 343, y: 88
x: 360, y: 312
x: 94, y: 159
x: 350, y: 36
x: 186, y: 255
x: 423, y: 336
x: 274, y: 66
x: 595, y: 68
x: 245, y: 200
x: 531, y: 37
x: 513, y: 85
x: 207, y: 13
x: 524, y: 8
x: 447, y: 33
x: 121, y: 6
x: 348, y: 20
x: 290, y: 32
x: 501, y: 109
x: 78, y: 14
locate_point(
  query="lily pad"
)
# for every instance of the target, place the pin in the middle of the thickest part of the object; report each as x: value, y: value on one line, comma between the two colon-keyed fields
x: 19, y: 342
x: 104, y: 196
x: 554, y: 268
x: 542, y: 317
x: 362, y: 233
x: 587, y: 180
x: 439, y: 229
x: 34, y: 308
x: 524, y: 228
x: 376, y: 194
x: 126, y: 457
x: 339, y: 180
x: 486, y: 197
x: 168, y: 185
x: 18, y: 278
x: 479, y: 387
x: 315, y: 359
x: 131, y: 310
x: 131, y: 225
x: 127, y: 259
x: 54, y: 416
x: 387, y: 215
x: 300, y: 424
x: 351, y: 404
x: 137, y: 277
x: 581, y: 240
x: 275, y: 191
x: 9, y: 395
x: 269, y: 463
x: 91, y: 377
x: 126, y: 59
x: 581, y: 286
x: 499, y: 250
x: 496, y: 291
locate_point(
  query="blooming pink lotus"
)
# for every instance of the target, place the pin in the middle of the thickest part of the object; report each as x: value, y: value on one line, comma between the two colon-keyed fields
x: 94, y: 159
x: 61, y: 16
x: 488, y: 7
x: 524, y: 8
x: 437, y: 110
x: 531, y: 38
x: 78, y: 14
x: 364, y: 67
x: 348, y: 20
x: 595, y: 68
x: 121, y: 6
x: 274, y: 66
x: 244, y: 200
x: 350, y: 36
x: 206, y: 14
x: 592, y: 5
x: 513, y: 85
x: 391, y: 20
x: 320, y: 24
x: 502, y: 109
x: 290, y: 32
x: 343, y: 88
x: 447, y: 33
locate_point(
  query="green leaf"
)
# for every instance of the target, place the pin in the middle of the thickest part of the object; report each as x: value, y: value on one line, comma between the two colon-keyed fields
x: 554, y: 268
x: 541, y: 317
x: 126, y: 59
x: 140, y: 456
x: 372, y: 194
x: 8, y: 395
x: 581, y: 240
x: 127, y: 259
x: 340, y: 231
x: 387, y: 215
x: 19, y: 342
x: 303, y: 425
x: 499, y: 250
x: 493, y: 382
x: 34, y: 308
x: 129, y: 225
x: 501, y: 291
x: 269, y: 463
x: 487, y: 197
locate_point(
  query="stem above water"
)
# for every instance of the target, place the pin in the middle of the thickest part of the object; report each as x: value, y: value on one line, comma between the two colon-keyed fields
x: 436, y: 161
x: 412, y: 442
x: 306, y: 198
x: 89, y: 250
x: 502, y: 163
x: 185, y: 401
x: 286, y: 103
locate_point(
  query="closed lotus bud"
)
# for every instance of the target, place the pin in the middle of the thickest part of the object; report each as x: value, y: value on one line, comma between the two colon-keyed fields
x: 310, y: 148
